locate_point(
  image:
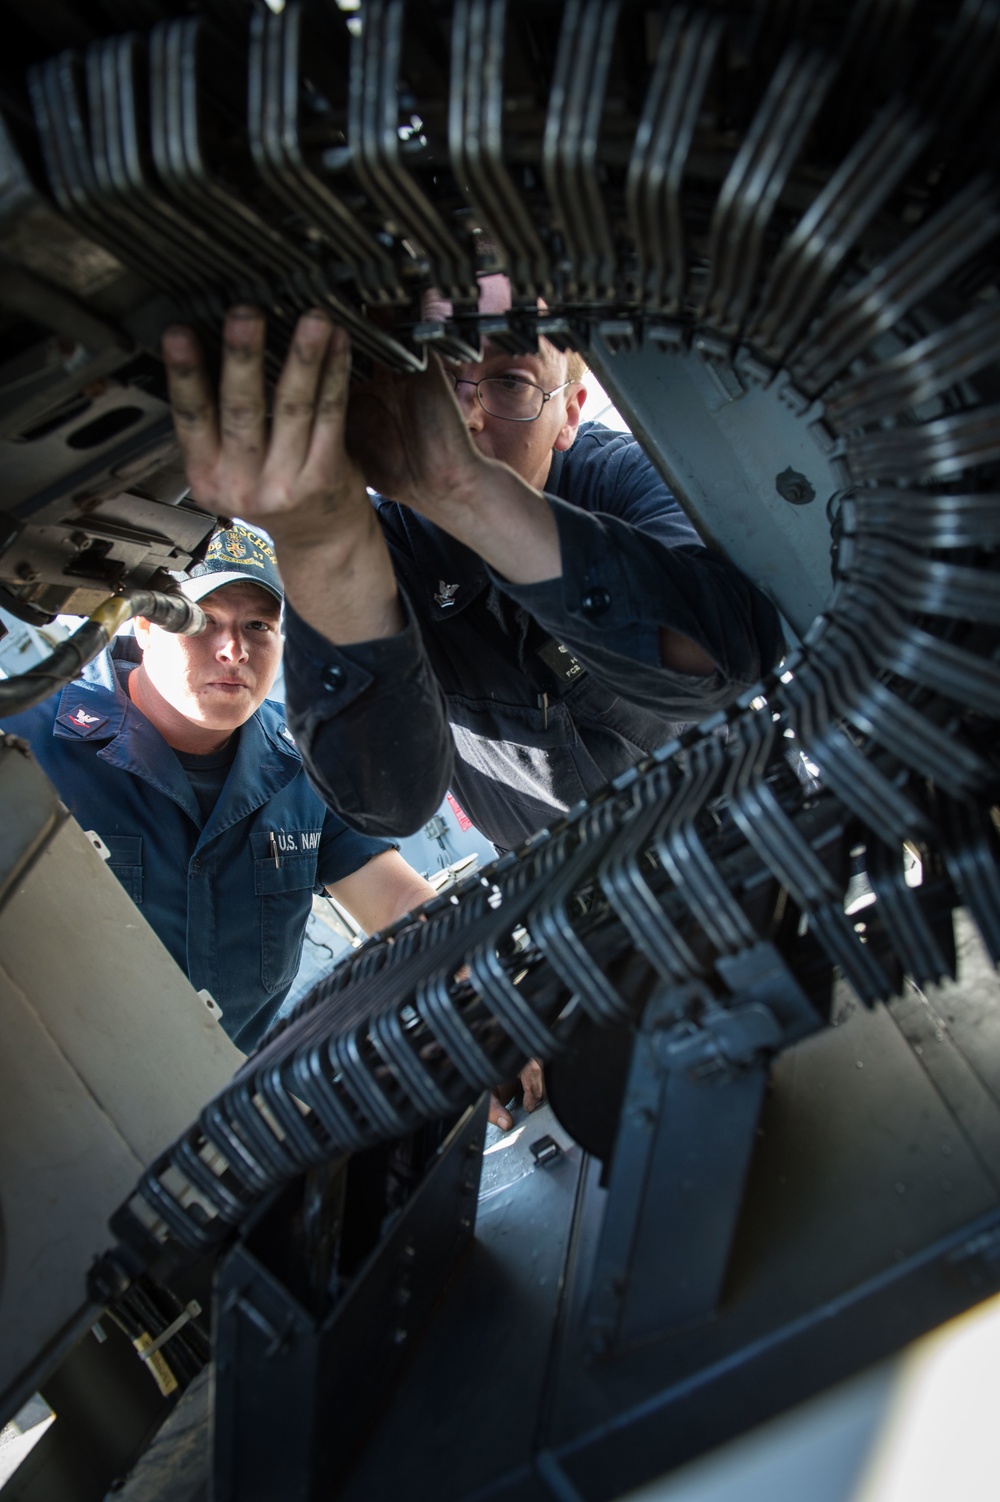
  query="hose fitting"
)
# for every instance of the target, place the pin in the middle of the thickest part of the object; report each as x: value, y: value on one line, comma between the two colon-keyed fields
x: 172, y: 612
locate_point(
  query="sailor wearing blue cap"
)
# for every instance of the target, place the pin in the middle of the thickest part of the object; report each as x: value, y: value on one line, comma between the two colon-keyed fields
x: 169, y: 748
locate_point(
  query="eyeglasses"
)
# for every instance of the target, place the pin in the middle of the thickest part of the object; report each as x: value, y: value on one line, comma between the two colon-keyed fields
x: 509, y: 397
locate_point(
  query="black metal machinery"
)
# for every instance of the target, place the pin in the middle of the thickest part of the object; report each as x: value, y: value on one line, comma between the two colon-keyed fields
x: 772, y: 229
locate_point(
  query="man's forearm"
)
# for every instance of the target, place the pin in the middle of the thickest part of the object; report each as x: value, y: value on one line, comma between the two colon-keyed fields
x: 511, y: 525
x: 382, y: 891
x: 371, y: 724
x: 503, y: 519
x: 343, y: 585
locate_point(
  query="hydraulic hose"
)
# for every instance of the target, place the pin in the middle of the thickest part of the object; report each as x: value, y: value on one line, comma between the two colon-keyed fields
x: 172, y: 612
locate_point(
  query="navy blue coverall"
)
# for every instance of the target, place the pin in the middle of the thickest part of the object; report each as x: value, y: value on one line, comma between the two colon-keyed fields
x: 477, y: 693
x: 229, y: 897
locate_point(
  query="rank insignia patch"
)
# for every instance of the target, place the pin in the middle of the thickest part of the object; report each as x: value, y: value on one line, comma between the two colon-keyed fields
x: 82, y: 721
x: 445, y: 594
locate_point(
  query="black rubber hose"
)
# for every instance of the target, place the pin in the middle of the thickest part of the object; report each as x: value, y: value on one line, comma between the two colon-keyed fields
x: 172, y: 612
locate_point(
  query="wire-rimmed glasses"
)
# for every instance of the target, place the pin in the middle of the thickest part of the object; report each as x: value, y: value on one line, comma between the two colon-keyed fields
x: 510, y: 397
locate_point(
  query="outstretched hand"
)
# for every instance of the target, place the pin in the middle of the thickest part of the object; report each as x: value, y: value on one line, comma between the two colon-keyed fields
x: 294, y: 475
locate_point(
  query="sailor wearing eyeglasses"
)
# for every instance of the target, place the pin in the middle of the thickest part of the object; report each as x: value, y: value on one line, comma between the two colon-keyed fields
x: 521, y: 613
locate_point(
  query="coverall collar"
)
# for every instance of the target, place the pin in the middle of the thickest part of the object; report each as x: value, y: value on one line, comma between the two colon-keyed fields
x: 97, y: 707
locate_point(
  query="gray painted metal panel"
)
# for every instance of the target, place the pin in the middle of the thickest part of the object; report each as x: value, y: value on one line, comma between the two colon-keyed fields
x: 722, y: 440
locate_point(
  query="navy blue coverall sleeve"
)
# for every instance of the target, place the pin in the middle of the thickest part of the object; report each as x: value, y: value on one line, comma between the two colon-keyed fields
x: 371, y: 726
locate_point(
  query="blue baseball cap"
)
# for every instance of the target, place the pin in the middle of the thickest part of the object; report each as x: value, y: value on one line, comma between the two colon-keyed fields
x: 234, y: 556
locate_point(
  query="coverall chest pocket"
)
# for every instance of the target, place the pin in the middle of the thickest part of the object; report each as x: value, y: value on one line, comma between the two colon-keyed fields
x: 284, y: 880
x: 126, y: 862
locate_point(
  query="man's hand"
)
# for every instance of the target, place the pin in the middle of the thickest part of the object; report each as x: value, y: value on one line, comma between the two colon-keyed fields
x: 532, y: 1084
x: 411, y: 441
x: 296, y: 479
x: 409, y: 436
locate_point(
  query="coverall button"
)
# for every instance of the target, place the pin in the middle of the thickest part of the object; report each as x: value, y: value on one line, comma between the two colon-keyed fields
x: 333, y: 676
x: 596, y: 601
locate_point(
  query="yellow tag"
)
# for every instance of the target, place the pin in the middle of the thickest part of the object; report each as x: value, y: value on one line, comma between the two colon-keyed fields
x: 157, y: 1366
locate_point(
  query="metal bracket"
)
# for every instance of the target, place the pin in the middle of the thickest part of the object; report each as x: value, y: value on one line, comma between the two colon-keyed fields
x: 317, y: 1379
x: 546, y: 1150
x: 686, y: 1132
